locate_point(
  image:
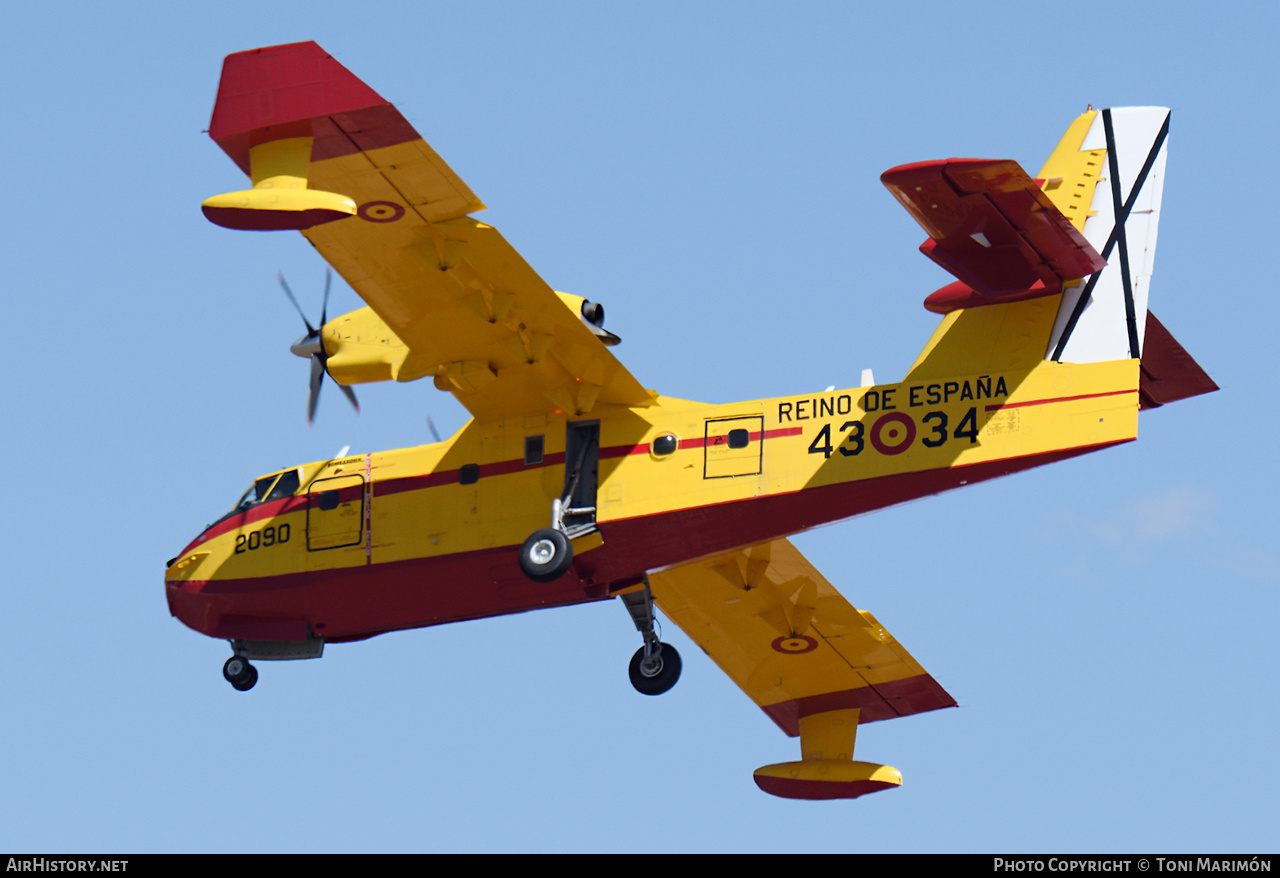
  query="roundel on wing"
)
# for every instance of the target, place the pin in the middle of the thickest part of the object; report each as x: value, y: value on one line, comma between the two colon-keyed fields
x: 795, y: 645
x: 380, y: 211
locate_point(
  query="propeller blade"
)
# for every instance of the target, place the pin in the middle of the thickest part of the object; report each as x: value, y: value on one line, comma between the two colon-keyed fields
x: 288, y: 292
x: 312, y: 345
x: 324, y: 307
x: 313, y: 393
x: 432, y: 427
x: 349, y: 394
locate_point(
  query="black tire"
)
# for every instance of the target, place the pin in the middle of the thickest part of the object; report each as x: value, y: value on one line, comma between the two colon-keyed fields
x: 237, y: 669
x: 248, y: 682
x: 661, y: 676
x: 546, y: 555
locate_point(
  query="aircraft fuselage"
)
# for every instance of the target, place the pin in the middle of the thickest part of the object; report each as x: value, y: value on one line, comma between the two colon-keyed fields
x: 419, y: 536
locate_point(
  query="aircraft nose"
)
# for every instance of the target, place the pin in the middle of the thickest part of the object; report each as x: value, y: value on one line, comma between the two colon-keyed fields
x: 307, y: 346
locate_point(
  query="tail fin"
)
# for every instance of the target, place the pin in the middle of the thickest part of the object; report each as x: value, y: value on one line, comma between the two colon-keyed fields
x: 1105, y: 317
x: 1104, y: 180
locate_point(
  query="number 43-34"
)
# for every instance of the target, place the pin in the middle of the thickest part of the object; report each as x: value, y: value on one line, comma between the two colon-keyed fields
x: 894, y: 433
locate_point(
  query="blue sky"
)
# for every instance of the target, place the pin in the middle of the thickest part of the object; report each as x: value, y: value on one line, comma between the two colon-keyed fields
x: 709, y: 172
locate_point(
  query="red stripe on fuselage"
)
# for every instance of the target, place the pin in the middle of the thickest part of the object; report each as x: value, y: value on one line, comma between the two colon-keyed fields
x: 387, y: 487
x: 362, y: 600
x: 1015, y: 405
x: 756, y: 435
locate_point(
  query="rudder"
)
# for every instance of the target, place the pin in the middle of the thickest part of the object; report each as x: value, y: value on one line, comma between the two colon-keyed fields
x: 1105, y: 318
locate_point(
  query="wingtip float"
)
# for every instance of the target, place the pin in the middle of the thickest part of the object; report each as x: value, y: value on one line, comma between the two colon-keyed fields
x: 573, y: 483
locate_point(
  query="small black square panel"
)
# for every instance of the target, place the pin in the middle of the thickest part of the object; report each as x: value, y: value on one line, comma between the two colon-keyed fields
x: 468, y: 474
x: 533, y: 450
x: 739, y: 438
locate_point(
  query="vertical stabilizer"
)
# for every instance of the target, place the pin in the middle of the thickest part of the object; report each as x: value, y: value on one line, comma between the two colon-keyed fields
x: 1105, y: 318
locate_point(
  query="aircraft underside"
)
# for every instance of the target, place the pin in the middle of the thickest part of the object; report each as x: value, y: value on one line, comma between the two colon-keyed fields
x: 1046, y: 351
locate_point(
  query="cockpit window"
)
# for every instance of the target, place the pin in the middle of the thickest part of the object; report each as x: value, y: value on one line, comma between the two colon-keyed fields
x: 272, y: 487
x: 286, y: 487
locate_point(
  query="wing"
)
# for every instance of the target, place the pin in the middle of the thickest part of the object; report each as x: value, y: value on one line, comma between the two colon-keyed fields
x: 991, y: 226
x: 790, y: 640
x: 391, y: 217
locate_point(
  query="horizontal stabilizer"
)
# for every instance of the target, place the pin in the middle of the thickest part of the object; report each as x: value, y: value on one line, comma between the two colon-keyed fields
x: 1168, y: 372
x: 991, y: 226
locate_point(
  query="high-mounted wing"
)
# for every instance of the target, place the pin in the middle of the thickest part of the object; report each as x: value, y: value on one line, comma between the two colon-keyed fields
x: 790, y: 640
x: 814, y: 664
x: 332, y: 158
x: 991, y: 226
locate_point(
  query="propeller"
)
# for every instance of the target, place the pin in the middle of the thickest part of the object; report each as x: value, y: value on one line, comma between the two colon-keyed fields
x: 311, y: 346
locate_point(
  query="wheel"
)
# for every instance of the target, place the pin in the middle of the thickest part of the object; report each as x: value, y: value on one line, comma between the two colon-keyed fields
x: 237, y: 669
x: 659, y: 674
x: 239, y: 673
x: 546, y: 555
x: 249, y: 680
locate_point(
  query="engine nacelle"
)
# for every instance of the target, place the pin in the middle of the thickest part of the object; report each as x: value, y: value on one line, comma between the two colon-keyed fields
x: 361, y: 348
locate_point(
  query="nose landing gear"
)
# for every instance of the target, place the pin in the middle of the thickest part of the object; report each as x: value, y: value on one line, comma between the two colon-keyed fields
x: 239, y: 673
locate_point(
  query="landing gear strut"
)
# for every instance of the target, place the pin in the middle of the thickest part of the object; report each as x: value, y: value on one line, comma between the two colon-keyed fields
x: 548, y: 552
x: 655, y: 667
x: 239, y: 673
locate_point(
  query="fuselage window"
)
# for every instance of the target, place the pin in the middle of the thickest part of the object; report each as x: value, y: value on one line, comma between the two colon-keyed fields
x: 665, y: 444
x: 532, y: 450
x: 739, y: 438
x: 468, y: 474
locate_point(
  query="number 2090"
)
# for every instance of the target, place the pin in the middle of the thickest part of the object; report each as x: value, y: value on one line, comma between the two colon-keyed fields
x: 268, y: 536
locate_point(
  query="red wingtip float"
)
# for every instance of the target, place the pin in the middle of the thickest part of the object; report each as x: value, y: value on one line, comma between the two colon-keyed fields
x: 574, y: 483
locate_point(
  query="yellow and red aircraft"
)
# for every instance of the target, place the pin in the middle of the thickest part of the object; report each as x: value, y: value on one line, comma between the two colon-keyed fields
x: 573, y: 482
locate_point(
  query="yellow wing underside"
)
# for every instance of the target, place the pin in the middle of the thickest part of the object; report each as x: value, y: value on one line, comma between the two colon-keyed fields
x: 473, y: 313
x: 790, y: 640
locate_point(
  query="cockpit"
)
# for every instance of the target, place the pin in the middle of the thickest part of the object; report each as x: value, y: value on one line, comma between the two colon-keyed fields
x: 272, y: 487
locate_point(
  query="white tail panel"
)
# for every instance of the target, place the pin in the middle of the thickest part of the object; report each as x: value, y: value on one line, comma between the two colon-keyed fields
x: 1105, y: 317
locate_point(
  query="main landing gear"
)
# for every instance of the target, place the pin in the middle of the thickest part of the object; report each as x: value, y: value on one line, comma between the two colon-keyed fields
x: 654, y: 672
x: 239, y: 673
x: 548, y: 553
x: 655, y: 667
